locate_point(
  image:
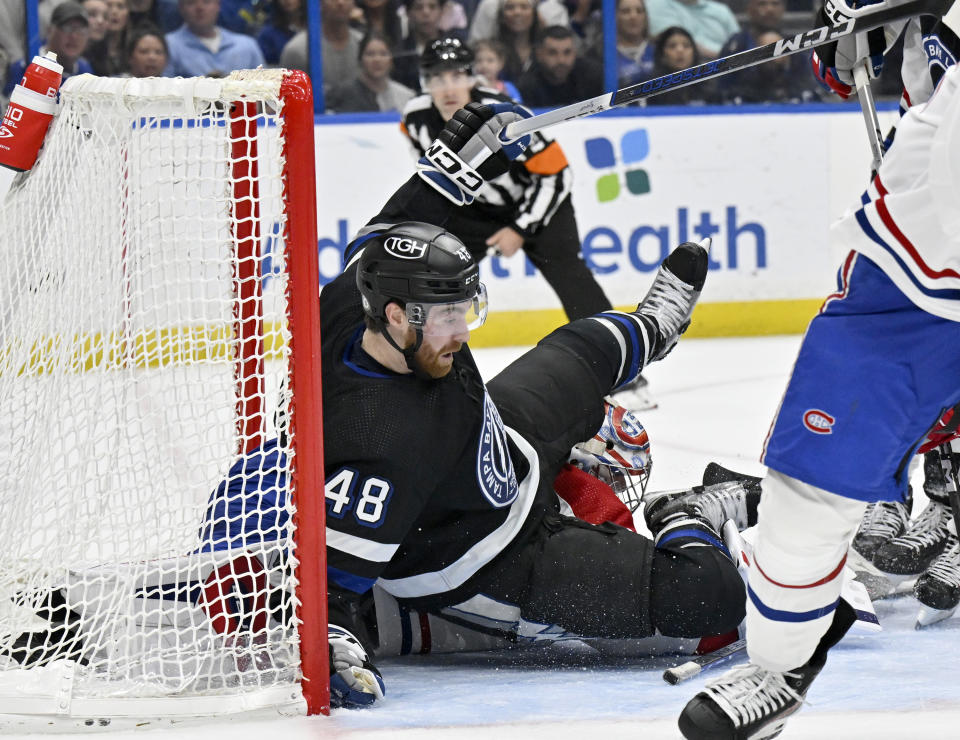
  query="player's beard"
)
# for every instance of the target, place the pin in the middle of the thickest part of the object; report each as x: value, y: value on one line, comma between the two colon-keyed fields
x: 438, y: 362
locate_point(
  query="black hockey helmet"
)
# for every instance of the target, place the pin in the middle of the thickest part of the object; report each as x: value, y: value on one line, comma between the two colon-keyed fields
x: 445, y: 53
x: 414, y: 263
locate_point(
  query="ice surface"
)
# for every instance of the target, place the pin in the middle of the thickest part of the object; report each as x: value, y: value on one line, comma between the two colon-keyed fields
x: 717, y: 397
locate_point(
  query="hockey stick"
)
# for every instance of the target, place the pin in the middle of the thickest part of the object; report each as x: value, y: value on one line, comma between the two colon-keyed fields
x: 861, y: 78
x: 847, y: 22
x: 951, y: 470
x: 702, y: 663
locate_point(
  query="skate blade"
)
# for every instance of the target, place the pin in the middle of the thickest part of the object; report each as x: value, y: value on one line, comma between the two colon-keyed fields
x: 879, y: 585
x: 929, y: 616
x: 635, y: 399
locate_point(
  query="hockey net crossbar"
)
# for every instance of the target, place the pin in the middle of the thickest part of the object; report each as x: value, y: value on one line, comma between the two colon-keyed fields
x: 161, y: 537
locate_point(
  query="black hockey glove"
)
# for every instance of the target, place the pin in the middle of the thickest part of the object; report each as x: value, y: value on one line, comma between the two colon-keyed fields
x: 354, y: 681
x: 472, y: 150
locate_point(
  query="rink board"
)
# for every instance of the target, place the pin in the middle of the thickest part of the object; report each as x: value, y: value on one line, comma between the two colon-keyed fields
x: 764, y: 184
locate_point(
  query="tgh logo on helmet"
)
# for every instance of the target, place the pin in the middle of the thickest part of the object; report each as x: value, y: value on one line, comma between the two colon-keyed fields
x: 404, y: 247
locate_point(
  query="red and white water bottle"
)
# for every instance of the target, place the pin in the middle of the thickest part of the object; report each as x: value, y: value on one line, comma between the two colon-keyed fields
x: 32, y: 105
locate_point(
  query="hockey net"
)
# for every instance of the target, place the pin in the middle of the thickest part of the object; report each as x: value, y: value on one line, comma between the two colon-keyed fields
x: 161, y: 546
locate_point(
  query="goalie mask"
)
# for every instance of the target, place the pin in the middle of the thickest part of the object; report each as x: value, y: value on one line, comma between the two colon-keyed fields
x: 618, y: 454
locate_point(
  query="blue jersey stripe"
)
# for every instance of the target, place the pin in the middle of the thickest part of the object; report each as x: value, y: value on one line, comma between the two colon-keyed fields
x: 635, y: 343
x: 358, y: 337
x: 406, y: 634
x: 349, y: 581
x: 354, y: 246
x: 779, y: 615
x: 946, y: 294
x: 698, y: 534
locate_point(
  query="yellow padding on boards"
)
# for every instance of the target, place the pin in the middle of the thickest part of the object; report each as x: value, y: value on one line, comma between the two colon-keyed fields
x: 753, y: 319
x: 188, y: 345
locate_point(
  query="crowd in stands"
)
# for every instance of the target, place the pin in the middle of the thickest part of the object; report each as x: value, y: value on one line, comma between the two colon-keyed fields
x: 544, y: 53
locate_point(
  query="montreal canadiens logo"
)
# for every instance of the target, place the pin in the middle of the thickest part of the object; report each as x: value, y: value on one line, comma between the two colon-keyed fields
x: 404, y: 247
x: 818, y: 422
x: 627, y: 427
x: 495, y: 473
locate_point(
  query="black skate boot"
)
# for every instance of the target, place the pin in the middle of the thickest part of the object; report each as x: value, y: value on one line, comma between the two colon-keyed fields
x: 716, y: 473
x: 939, y: 585
x: 752, y: 703
x: 882, y: 521
x: 736, y: 500
x: 674, y: 293
x: 923, y: 540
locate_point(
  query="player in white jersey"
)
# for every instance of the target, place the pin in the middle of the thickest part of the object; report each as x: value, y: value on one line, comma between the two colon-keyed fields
x: 872, y: 378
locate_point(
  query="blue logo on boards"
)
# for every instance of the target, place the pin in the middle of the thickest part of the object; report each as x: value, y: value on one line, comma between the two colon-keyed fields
x: 634, y: 148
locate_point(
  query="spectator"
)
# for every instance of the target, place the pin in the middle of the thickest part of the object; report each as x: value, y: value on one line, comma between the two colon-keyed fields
x: 634, y: 46
x: 789, y: 81
x: 108, y: 55
x: 709, y: 22
x: 453, y: 17
x: 489, y: 57
x: 373, y: 90
x: 144, y: 13
x: 559, y: 76
x: 675, y: 50
x: 13, y: 31
x: 484, y: 24
x: 202, y: 48
x: 518, y: 25
x: 783, y: 80
x: 382, y: 16
x: 66, y: 37
x: 147, y: 54
x: 423, y: 26
x: 586, y: 20
x: 289, y: 17
x: 762, y: 15
x: 340, y: 45
x: 239, y: 16
x: 97, y: 15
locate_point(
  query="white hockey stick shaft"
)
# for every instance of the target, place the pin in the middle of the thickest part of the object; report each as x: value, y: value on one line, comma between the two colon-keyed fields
x: 845, y: 22
x: 861, y: 78
x: 704, y: 662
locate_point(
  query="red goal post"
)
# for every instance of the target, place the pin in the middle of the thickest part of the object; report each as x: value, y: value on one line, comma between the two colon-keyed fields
x: 162, y: 549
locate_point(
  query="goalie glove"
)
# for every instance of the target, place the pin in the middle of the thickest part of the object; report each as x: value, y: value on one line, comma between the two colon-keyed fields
x: 471, y: 150
x: 833, y: 63
x: 354, y: 681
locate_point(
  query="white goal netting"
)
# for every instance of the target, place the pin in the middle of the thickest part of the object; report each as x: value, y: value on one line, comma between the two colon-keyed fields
x: 146, y: 536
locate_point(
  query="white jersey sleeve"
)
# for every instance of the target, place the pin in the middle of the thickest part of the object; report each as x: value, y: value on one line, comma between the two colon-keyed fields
x: 907, y: 221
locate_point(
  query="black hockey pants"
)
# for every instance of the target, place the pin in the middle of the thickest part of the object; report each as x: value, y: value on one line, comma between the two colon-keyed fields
x: 597, y: 581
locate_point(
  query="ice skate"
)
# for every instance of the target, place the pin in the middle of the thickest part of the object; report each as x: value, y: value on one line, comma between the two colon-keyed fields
x: 717, y: 503
x: 716, y: 473
x: 923, y: 540
x: 928, y: 616
x: 746, y: 702
x: 674, y: 293
x: 938, y: 588
x: 882, y: 521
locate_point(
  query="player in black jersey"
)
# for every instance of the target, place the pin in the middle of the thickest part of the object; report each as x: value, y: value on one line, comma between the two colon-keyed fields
x: 440, y: 487
x: 528, y: 207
